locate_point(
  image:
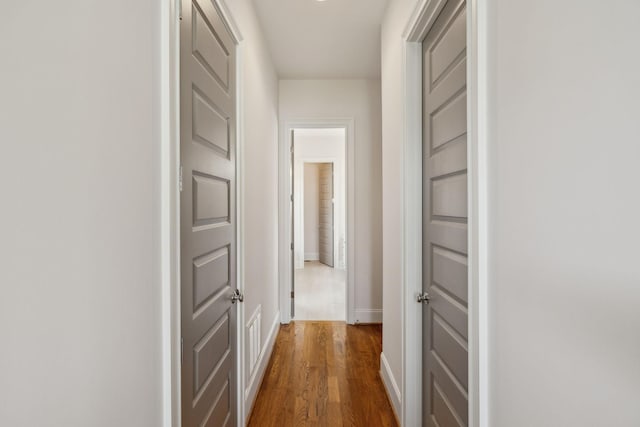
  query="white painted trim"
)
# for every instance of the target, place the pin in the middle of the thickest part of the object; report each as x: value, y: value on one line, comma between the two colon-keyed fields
x: 311, y: 256
x: 391, y: 386
x: 251, y: 391
x: 417, y: 28
x: 284, y: 218
x: 169, y: 206
x: 477, y: 88
x: 240, y: 221
x: 367, y: 315
x: 411, y: 253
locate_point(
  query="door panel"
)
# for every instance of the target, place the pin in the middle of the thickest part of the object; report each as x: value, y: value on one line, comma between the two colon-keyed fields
x: 449, y: 48
x: 445, y: 275
x: 449, y: 122
x: 208, y: 222
x: 326, y: 214
x: 449, y: 196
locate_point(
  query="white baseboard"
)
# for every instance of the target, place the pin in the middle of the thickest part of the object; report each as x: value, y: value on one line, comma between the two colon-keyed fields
x: 311, y: 256
x: 362, y: 315
x: 251, y: 391
x: 390, y: 386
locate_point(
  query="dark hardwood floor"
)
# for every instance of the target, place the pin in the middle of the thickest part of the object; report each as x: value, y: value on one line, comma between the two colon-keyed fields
x: 324, y: 374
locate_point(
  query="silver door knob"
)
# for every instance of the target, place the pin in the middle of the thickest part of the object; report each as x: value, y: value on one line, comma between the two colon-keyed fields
x: 236, y: 296
x: 423, y: 297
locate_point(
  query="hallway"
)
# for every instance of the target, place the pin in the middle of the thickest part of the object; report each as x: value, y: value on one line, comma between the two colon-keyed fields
x: 324, y: 374
x: 483, y: 213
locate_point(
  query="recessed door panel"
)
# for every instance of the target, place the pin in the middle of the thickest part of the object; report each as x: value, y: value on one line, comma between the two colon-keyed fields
x: 451, y: 349
x: 449, y: 196
x: 442, y: 413
x: 451, y: 160
x: 210, y: 200
x: 455, y: 394
x: 208, y: 351
x: 209, y: 126
x: 210, y: 275
x: 207, y: 48
x: 445, y: 236
x: 449, y: 270
x: 449, y: 121
x: 449, y: 48
x: 220, y: 412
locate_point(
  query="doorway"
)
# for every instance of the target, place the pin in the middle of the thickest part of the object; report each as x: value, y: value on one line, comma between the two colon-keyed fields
x: 445, y: 217
x: 319, y: 224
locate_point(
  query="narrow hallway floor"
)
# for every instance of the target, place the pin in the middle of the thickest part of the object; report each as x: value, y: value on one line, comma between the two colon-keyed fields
x: 324, y: 374
x: 320, y: 292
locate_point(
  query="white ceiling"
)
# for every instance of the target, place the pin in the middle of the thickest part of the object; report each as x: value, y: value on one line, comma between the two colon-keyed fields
x: 328, y: 39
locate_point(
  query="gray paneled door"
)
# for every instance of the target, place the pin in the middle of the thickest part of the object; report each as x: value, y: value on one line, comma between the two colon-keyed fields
x: 326, y: 213
x: 445, y: 356
x: 208, y: 218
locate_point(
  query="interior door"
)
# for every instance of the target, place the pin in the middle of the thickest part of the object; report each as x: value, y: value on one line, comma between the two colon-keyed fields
x: 208, y: 217
x: 445, y: 357
x: 326, y: 213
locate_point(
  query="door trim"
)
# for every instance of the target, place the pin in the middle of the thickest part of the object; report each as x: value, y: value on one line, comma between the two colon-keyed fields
x: 168, y: 203
x: 417, y: 28
x: 284, y: 222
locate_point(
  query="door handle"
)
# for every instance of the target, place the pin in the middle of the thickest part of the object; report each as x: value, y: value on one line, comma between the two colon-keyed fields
x: 423, y: 297
x: 237, y: 296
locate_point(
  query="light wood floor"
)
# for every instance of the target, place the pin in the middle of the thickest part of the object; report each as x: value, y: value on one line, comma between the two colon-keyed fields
x: 324, y: 374
x: 320, y: 292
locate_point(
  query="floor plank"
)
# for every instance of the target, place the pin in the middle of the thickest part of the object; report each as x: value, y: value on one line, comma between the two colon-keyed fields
x: 324, y: 374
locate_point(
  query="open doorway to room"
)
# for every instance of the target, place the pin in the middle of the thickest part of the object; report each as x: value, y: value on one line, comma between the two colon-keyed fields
x: 319, y: 223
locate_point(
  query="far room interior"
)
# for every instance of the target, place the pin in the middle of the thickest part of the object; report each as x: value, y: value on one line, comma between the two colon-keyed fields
x: 320, y: 224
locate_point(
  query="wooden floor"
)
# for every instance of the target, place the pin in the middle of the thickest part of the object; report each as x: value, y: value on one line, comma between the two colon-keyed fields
x: 324, y: 374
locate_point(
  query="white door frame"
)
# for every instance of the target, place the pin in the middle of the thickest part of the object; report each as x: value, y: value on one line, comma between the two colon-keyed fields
x: 169, y: 206
x: 417, y: 28
x: 284, y: 219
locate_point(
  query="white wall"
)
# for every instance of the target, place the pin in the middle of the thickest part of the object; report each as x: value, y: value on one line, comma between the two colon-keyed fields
x: 359, y: 99
x: 563, y: 149
x: 79, y: 173
x: 311, y: 215
x: 564, y: 205
x: 79, y: 167
x: 395, y: 21
x: 321, y: 145
x: 260, y: 177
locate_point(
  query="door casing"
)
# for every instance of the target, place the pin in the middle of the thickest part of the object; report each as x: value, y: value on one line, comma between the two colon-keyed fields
x: 417, y: 27
x: 284, y: 221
